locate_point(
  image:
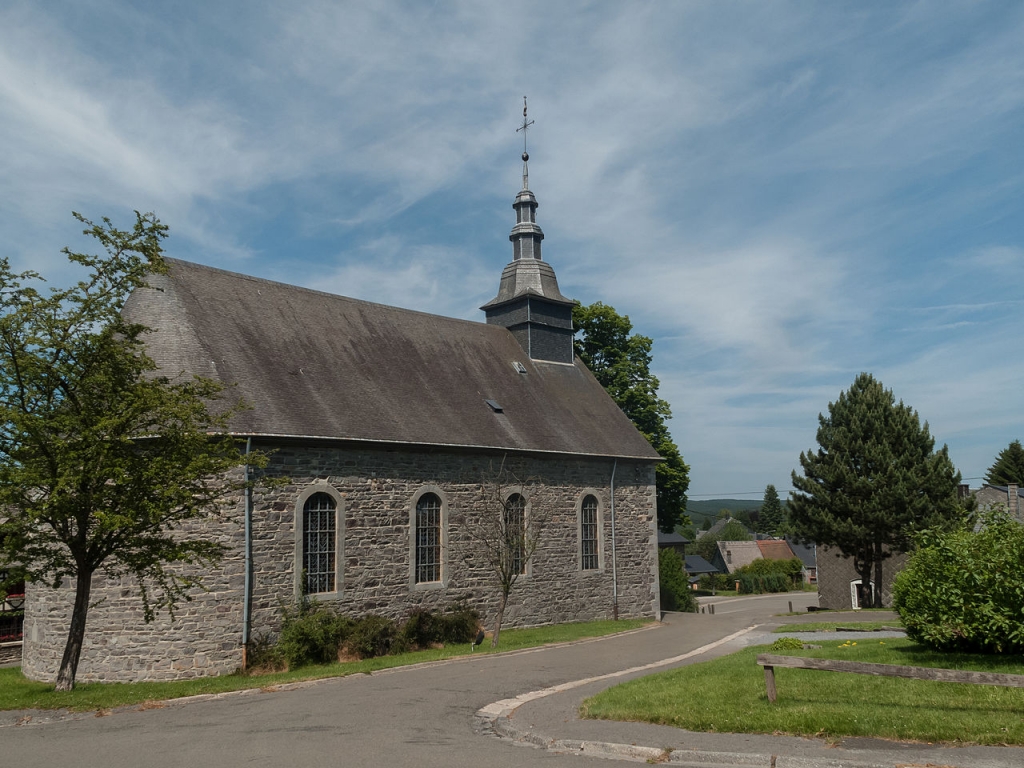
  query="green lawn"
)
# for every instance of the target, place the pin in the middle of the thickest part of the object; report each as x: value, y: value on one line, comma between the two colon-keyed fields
x: 728, y: 695
x: 16, y: 692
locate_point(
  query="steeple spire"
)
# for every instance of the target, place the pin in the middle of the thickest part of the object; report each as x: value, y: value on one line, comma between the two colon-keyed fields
x: 529, y: 303
x: 526, y: 155
x: 526, y: 235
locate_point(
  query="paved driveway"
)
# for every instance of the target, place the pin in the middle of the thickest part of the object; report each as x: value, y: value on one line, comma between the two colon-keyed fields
x: 422, y: 716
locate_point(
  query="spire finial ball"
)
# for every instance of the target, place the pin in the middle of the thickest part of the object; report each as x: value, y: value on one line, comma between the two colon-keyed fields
x: 526, y: 157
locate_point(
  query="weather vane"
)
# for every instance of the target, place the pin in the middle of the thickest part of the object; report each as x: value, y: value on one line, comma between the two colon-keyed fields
x: 526, y: 157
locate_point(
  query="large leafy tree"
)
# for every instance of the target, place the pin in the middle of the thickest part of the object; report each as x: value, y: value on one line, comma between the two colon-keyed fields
x: 874, y: 481
x: 102, y: 461
x: 621, y: 361
x: 1008, y: 467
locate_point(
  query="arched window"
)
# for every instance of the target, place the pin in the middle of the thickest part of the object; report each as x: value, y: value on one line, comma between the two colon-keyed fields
x: 515, y: 531
x: 588, y: 534
x: 428, y: 538
x: 319, y: 543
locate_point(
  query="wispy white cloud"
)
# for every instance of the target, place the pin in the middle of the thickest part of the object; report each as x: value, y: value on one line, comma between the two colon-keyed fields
x: 781, y: 195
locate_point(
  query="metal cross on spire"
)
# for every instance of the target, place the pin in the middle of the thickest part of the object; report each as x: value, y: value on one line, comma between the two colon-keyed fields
x: 526, y: 157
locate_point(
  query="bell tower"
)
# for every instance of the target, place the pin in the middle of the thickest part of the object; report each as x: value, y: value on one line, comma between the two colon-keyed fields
x: 529, y: 303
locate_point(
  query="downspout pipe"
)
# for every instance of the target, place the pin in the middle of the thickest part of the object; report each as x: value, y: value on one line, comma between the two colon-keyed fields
x: 615, y: 572
x: 247, y: 589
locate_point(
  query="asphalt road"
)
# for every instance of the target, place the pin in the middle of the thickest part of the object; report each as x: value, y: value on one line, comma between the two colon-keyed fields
x: 418, y: 717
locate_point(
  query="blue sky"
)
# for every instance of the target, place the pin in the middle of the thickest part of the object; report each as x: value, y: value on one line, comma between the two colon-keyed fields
x: 781, y: 194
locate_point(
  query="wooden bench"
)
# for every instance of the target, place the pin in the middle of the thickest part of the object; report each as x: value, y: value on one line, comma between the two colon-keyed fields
x: 770, y: 661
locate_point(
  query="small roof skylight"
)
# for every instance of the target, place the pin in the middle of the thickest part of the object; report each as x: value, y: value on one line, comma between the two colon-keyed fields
x: 494, y: 406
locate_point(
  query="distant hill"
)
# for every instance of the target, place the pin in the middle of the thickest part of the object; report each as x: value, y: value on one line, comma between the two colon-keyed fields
x: 711, y: 506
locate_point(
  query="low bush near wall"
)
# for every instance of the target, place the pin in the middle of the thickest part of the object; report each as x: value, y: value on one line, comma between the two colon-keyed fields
x: 312, y: 633
x: 964, y: 590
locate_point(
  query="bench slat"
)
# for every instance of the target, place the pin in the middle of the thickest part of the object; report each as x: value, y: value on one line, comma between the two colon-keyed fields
x: 893, y: 670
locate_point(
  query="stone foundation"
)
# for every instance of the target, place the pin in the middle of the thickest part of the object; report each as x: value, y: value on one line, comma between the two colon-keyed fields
x: 376, y: 491
x: 10, y: 652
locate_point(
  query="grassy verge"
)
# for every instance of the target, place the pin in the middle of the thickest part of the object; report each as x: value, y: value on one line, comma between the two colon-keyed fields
x: 16, y: 692
x: 728, y: 695
x: 830, y: 626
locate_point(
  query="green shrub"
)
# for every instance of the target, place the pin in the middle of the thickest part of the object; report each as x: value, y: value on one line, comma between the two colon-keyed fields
x: 763, y: 575
x: 964, y: 590
x: 787, y: 644
x: 312, y: 633
x: 756, y: 584
x: 373, y: 636
x: 675, y: 588
x: 422, y: 629
x: 459, y: 624
x: 712, y: 581
x: 263, y: 655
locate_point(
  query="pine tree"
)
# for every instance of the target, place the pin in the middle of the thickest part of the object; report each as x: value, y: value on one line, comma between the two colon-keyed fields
x: 1008, y: 467
x: 874, y: 481
x: 772, y: 516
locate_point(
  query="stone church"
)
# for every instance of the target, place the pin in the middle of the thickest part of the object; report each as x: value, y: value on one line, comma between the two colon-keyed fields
x: 388, y: 424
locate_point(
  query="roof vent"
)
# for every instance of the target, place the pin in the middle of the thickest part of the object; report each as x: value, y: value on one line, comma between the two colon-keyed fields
x: 520, y: 368
x: 494, y: 406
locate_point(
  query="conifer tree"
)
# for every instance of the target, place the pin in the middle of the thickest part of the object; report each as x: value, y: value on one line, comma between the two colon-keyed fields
x: 771, y: 517
x: 1008, y: 467
x: 874, y: 481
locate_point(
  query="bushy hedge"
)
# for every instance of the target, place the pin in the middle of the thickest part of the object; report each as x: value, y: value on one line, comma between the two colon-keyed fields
x: 675, y: 586
x: 763, y: 575
x: 374, y: 636
x: 312, y: 633
x: 759, y: 584
x: 964, y: 590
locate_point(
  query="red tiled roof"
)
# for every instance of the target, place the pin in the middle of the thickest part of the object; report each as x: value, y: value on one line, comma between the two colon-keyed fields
x: 775, y: 550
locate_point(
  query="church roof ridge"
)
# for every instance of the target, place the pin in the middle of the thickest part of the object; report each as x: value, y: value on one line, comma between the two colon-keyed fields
x: 324, y: 366
x: 184, y: 263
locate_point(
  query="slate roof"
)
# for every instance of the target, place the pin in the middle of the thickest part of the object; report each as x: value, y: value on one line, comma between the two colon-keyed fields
x: 806, y: 553
x: 775, y: 549
x: 318, y: 365
x: 671, y: 539
x: 696, y: 565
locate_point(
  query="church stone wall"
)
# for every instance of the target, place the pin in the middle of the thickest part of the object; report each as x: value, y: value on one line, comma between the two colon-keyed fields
x: 202, y: 639
x: 377, y: 489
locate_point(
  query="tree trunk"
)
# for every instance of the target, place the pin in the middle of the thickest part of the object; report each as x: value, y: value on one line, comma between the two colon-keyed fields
x: 497, y: 622
x: 76, y: 633
x: 865, y: 584
x: 878, y: 576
